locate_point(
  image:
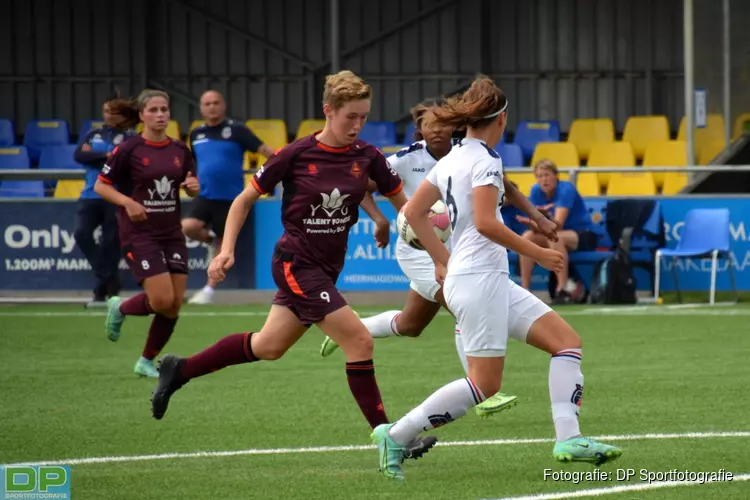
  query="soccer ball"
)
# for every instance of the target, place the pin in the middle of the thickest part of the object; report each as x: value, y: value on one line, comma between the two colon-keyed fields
x: 439, y: 218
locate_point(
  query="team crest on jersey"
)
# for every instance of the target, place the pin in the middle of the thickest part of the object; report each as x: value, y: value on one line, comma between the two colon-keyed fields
x: 146, y: 161
x: 226, y: 132
x: 177, y: 162
x: 312, y: 169
x: 118, y: 139
x: 356, y: 170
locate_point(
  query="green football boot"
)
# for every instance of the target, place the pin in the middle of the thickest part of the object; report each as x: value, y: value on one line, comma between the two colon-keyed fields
x: 391, y: 453
x: 146, y: 368
x: 495, y: 404
x: 581, y: 449
x: 115, y: 318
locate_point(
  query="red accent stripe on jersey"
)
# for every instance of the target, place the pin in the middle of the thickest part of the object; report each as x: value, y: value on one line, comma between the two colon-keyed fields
x: 395, y: 191
x: 291, y: 280
x: 165, y: 142
x: 331, y: 149
x: 255, y: 184
x: 104, y: 180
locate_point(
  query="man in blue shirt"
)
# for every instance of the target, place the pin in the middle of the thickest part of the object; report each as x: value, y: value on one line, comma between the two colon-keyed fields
x: 561, y: 201
x: 120, y: 116
x: 219, y: 147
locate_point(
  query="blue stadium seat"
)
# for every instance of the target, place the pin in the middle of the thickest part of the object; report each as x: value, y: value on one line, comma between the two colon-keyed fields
x: 379, y: 133
x: 22, y: 189
x: 88, y: 125
x: 15, y: 157
x: 511, y: 154
x: 41, y: 133
x: 59, y: 158
x: 529, y: 133
x: 409, y: 133
x: 7, y: 133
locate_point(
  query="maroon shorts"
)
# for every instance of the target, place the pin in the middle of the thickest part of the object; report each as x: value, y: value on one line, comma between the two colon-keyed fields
x: 307, y: 291
x: 147, y: 257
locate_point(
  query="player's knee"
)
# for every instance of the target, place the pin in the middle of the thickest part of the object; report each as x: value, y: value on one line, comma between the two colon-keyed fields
x: 360, y: 345
x: 270, y: 352
x: 162, y: 302
x: 409, y: 328
x: 191, y: 228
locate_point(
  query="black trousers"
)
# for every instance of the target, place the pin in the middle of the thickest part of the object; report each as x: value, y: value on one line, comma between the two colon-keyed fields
x: 104, y: 257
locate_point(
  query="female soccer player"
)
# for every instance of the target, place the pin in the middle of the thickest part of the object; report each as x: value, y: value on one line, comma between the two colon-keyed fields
x: 487, y: 304
x: 425, y: 297
x: 325, y: 177
x: 120, y: 117
x: 143, y: 178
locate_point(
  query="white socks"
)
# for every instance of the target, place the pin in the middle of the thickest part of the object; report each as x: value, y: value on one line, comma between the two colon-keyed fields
x: 208, y: 290
x: 383, y: 324
x: 447, y: 404
x: 566, y: 392
x: 460, y: 351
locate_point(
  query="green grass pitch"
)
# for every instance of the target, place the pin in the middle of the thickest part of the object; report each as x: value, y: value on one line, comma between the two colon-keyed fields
x: 292, y: 429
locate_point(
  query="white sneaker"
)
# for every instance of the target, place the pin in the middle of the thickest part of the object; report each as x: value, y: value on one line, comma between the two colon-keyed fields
x: 202, y: 298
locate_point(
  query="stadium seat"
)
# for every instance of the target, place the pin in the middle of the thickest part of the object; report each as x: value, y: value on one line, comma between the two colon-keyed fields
x: 665, y: 154
x: 58, y: 157
x: 713, y: 131
x: 674, y: 182
x: 42, y: 133
x: 584, y: 133
x: 307, y: 127
x: 564, y: 154
x: 22, y: 189
x: 741, y: 126
x: 529, y: 133
x: 631, y: 184
x: 379, y: 133
x: 640, y: 131
x: 173, y: 129
x: 7, y: 133
x: 409, y: 133
x: 587, y: 184
x: 511, y: 155
x: 523, y: 177
x: 88, y: 125
x: 195, y: 124
x: 389, y: 150
x: 14, y: 158
x: 711, y: 150
x: 271, y: 132
x: 69, y: 189
x: 612, y: 154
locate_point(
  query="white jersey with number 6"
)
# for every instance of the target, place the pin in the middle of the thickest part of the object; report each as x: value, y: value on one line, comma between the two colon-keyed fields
x: 470, y: 164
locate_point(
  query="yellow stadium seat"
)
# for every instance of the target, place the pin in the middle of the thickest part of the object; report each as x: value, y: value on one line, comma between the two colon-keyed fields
x: 67, y: 189
x: 307, y: 127
x: 674, y: 182
x: 564, y: 154
x: 739, y: 125
x: 611, y: 154
x: 640, y: 131
x: 713, y: 131
x: 588, y: 184
x: 524, y: 179
x: 631, y: 184
x: 584, y: 133
x: 711, y: 150
x: 271, y: 132
x: 173, y: 129
x: 195, y: 124
x: 665, y: 154
x: 389, y: 150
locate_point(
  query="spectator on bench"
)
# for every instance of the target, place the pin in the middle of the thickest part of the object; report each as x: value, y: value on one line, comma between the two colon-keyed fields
x: 561, y: 201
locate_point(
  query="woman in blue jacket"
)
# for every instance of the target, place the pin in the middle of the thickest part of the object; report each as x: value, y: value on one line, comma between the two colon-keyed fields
x: 120, y: 118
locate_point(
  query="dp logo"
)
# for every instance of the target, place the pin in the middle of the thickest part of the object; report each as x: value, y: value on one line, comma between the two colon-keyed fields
x: 35, y: 481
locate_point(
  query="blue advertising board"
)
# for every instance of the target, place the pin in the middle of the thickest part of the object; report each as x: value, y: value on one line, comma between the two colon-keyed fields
x: 38, y: 251
x: 369, y: 268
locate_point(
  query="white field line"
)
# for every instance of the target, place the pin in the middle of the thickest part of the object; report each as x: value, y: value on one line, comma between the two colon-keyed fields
x: 598, y: 492
x: 345, y: 448
x: 609, y: 311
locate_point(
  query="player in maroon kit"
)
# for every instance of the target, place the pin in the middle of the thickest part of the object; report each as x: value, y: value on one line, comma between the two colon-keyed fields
x: 143, y: 178
x: 324, y: 178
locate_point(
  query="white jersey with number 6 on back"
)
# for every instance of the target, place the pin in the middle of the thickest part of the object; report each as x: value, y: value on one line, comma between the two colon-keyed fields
x: 470, y: 164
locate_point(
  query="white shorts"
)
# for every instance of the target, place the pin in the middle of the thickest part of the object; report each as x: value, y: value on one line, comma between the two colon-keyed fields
x: 417, y: 265
x: 490, y: 308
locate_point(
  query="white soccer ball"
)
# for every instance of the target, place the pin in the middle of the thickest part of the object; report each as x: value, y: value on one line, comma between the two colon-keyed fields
x: 439, y: 218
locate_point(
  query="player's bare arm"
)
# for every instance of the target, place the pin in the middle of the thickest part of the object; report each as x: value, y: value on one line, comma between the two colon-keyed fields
x: 416, y: 213
x: 266, y: 150
x: 382, y: 225
x: 537, y: 219
x: 135, y: 210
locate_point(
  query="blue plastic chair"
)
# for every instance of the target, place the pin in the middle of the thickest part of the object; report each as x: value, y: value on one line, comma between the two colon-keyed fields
x: 705, y: 234
x: 88, y: 125
x: 42, y: 133
x: 530, y: 133
x: 58, y: 158
x: 409, y: 133
x: 7, y: 132
x: 22, y: 189
x: 14, y: 157
x: 379, y: 133
x: 511, y: 154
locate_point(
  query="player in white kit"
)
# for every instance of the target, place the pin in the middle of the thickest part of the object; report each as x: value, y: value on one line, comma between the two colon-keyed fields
x: 413, y: 164
x: 487, y: 304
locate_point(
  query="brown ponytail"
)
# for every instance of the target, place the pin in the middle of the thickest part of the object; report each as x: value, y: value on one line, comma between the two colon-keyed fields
x: 127, y: 108
x: 476, y: 108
